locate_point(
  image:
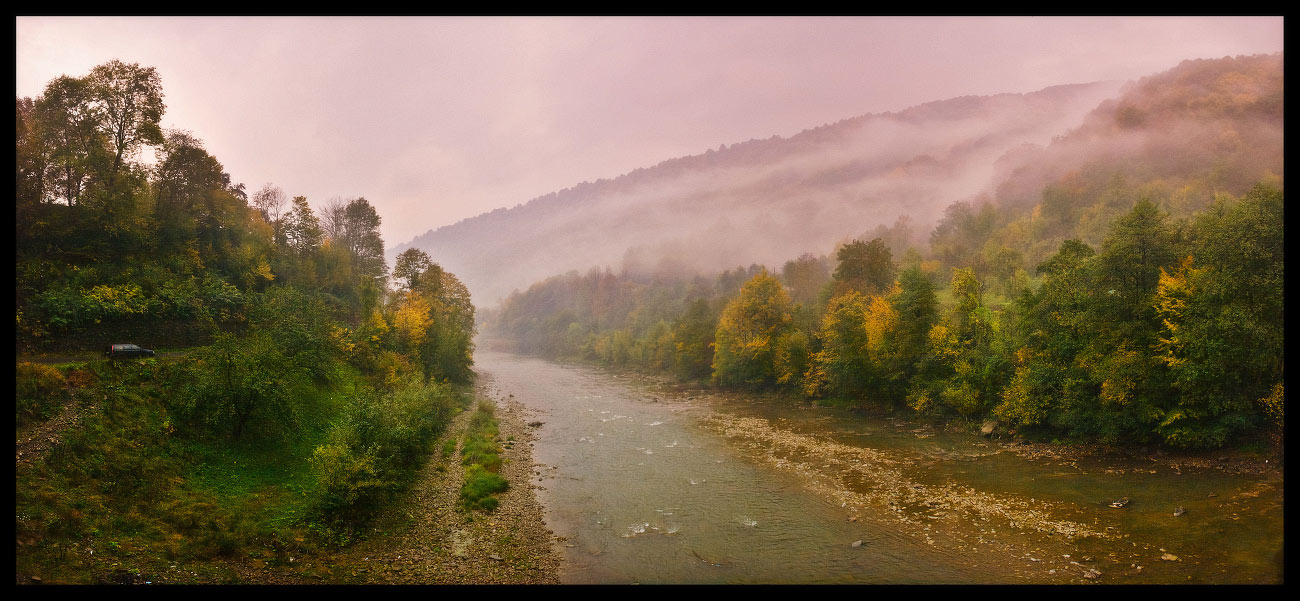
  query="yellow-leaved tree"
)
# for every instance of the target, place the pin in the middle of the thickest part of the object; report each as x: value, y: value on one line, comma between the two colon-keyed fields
x: 749, y: 330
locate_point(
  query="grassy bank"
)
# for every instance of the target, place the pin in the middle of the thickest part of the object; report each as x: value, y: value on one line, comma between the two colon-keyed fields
x: 137, y: 490
x: 481, y: 456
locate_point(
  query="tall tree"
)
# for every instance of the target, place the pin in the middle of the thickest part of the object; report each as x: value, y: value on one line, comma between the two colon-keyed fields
x: 69, y: 129
x: 356, y: 227
x: 130, y: 102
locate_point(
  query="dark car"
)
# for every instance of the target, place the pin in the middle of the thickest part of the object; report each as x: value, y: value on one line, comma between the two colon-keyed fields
x: 118, y: 351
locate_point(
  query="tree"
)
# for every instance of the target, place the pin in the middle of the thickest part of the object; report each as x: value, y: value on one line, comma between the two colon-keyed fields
x: 69, y: 130
x: 1222, y: 334
x: 241, y: 381
x: 693, y: 335
x: 184, y: 178
x: 448, y: 353
x: 918, y: 310
x: 302, y: 230
x: 866, y: 267
x: 411, y: 265
x: 1139, y: 245
x: 32, y: 160
x: 748, y: 331
x: 843, y: 366
x: 356, y: 228
x: 805, y: 276
x: 129, y: 98
x: 965, y: 367
x: 270, y: 201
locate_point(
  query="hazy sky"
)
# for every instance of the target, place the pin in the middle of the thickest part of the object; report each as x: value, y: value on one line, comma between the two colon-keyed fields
x: 435, y: 119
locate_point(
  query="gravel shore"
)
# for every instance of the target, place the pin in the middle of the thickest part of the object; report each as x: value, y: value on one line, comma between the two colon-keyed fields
x: 425, y: 539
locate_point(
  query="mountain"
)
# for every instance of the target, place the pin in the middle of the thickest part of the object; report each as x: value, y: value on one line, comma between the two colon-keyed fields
x: 1215, y: 125
x: 763, y: 201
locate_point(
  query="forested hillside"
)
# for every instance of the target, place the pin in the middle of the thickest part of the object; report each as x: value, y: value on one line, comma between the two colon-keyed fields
x: 1123, y: 283
x: 300, y: 392
x: 760, y: 200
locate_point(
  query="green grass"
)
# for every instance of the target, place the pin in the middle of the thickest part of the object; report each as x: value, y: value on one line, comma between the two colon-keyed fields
x: 480, y: 453
x: 145, y: 490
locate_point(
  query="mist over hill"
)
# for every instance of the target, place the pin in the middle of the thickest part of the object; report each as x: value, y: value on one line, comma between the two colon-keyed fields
x: 766, y: 200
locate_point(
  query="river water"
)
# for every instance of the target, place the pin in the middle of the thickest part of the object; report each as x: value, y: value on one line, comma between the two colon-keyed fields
x: 649, y: 482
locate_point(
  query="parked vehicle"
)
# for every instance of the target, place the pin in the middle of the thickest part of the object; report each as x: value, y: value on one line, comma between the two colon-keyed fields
x: 120, y: 351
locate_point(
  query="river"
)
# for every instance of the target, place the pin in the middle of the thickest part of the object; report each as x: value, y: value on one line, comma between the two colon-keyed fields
x: 650, y: 482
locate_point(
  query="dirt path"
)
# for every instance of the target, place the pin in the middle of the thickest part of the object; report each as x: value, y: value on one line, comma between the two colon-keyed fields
x: 426, y: 540
x: 32, y: 442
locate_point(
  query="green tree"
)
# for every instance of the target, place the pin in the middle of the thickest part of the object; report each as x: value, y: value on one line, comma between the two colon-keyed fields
x: 356, y: 228
x: 918, y: 311
x: 241, y: 382
x: 693, y: 336
x: 805, y: 276
x: 68, y: 126
x: 866, y: 267
x: 129, y: 98
x: 411, y: 265
x: 1222, y: 335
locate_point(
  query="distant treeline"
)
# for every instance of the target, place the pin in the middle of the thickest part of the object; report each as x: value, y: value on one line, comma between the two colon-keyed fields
x: 1169, y: 331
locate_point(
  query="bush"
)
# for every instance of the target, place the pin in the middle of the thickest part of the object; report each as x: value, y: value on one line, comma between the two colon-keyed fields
x: 378, y: 445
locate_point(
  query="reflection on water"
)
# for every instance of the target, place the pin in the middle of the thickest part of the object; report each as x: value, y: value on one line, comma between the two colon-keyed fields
x: 653, y: 486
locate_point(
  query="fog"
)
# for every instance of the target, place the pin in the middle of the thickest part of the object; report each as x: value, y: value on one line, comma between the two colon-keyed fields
x: 763, y: 201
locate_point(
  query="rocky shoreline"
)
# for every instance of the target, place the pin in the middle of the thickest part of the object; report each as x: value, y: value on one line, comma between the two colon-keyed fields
x: 431, y: 541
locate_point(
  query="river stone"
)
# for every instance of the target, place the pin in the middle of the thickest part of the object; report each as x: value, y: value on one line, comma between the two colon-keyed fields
x: 987, y: 429
x: 856, y: 543
x: 1179, y: 511
x: 1169, y: 557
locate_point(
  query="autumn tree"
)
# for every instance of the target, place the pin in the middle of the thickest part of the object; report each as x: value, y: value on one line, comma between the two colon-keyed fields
x: 805, y: 276
x: 748, y: 331
x: 270, y: 201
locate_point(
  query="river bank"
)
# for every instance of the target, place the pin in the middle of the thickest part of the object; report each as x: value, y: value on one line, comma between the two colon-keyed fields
x: 425, y: 539
x: 634, y: 459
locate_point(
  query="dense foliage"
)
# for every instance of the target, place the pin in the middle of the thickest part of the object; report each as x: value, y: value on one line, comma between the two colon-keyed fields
x: 293, y: 392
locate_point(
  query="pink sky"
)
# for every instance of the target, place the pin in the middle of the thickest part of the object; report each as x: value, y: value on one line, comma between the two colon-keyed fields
x: 435, y: 119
